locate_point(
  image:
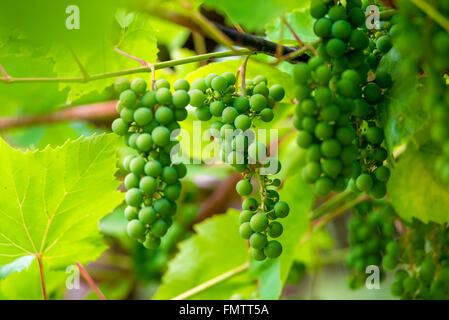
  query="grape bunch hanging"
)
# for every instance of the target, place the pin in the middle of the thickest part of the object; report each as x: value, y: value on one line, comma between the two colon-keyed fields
x: 338, y: 94
x: 146, y: 121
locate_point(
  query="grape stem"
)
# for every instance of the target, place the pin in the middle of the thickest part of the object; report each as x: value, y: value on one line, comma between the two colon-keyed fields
x: 90, y: 281
x: 243, y: 75
x: 41, y: 273
x: 157, y: 66
x: 212, y: 282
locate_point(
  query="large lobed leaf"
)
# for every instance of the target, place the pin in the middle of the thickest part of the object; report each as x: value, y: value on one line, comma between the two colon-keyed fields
x: 53, y: 199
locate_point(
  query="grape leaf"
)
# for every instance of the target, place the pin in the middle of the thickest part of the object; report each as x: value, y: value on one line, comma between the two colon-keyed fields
x: 298, y: 194
x: 215, y: 249
x: 300, y: 20
x: 401, y: 112
x: 415, y: 191
x: 53, y: 199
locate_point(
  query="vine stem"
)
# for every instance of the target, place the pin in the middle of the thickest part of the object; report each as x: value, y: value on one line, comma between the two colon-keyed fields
x: 41, y: 272
x: 212, y: 282
x: 160, y: 65
x: 243, y: 75
x: 433, y: 13
x: 90, y: 281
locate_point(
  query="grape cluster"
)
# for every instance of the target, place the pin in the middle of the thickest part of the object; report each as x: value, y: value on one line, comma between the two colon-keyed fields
x: 147, y: 119
x: 424, y: 45
x: 371, y: 234
x: 421, y: 258
x: 216, y: 96
x: 336, y: 111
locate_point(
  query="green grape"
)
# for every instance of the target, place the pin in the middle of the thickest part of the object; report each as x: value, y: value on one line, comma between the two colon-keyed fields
x: 323, y: 131
x: 341, y: 29
x: 312, y: 171
x: 323, y: 186
x: 142, y: 116
x: 161, y: 136
x: 323, y: 74
x: 364, y: 182
x: 257, y: 151
x: 258, y: 102
x: 131, y: 181
x: 356, y: 17
x: 410, y: 284
x: 241, y: 104
x: 121, y: 84
x: 318, y: 9
x: 128, y: 98
x: 153, y: 168
x: 277, y: 92
x: 180, y: 114
x: 249, y: 204
x: 198, y: 84
x: 245, y: 230
x: 337, y: 13
x: 161, y: 83
x: 257, y: 240
x: 335, y: 48
x: 245, y: 216
x: 133, y: 197
x: 323, y: 27
x: 281, y: 209
x: 137, y: 165
x: 162, y: 206
x: 151, y: 242
x: 229, y: 114
x: 372, y: 93
x: 330, y: 148
x: 159, y: 228
x: 135, y: 229
x: 242, y: 122
x: 163, y: 96
x: 389, y: 262
x: 203, y: 113
x: 180, y: 99
x: 230, y: 78
x: 216, y: 108
x: 383, y: 79
x: 148, y: 185
x: 149, y: 99
x: 275, y: 229
x: 127, y: 115
x: 358, y: 39
x: 181, y: 84
x: 164, y: 115
x: 301, y: 73
x: 374, y: 135
x: 147, y: 215
x: 138, y: 85
x: 330, y: 113
x: 259, y: 222
x: 382, y: 173
x: 304, y: 139
x: 267, y: 115
x: 258, y: 254
x: 219, y: 84
x: 120, y: 127
x: 244, y: 187
x: 169, y: 175
x: 273, y: 249
x: 131, y: 213
x: 384, y: 44
x: 144, y: 142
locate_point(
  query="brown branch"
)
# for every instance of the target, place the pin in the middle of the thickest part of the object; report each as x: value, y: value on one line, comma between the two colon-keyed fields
x: 93, y: 112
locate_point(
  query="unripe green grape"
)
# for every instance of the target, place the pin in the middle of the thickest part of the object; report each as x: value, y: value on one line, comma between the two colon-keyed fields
x: 323, y: 130
x: 159, y: 228
x: 361, y: 108
x: 257, y: 240
x: 163, y: 96
x: 164, y: 115
x: 397, y: 289
x: 356, y: 17
x: 127, y: 161
x: 242, y: 122
x: 219, y: 84
x: 131, y: 140
x: 301, y: 73
x: 315, y: 61
x: 133, y: 197
x: 144, y: 142
x: 203, y: 113
x: 308, y: 106
x: 389, y: 262
x: 148, y: 185
x: 258, y: 102
x: 266, y: 115
x: 142, y: 116
x: 301, y: 92
x: 181, y: 170
x: 330, y: 113
x: 169, y: 175
x: 245, y: 216
x: 172, y: 192
x: 151, y: 242
x: 153, y: 168
x: 312, y: 171
x: 393, y: 248
x: 308, y: 123
x: 374, y: 135
x: 161, y: 83
x: 379, y: 190
x: 318, y: 9
x: 180, y: 114
x: 199, y: 84
x: 331, y: 148
x: 135, y: 229
x: 259, y: 222
x: 332, y: 166
x: 216, y: 108
x: 229, y: 114
x: 384, y: 44
x: 138, y: 85
x: 358, y: 39
x: 149, y: 99
x: 304, y: 139
x: 335, y: 48
x: 121, y: 84
x: 181, y: 84
x: 180, y: 99
x: 249, y: 204
x: 259, y: 79
x: 137, y: 165
x: 258, y: 254
x: 273, y: 249
x: 277, y: 92
x: 364, y: 182
x: 323, y: 186
x: 131, y: 181
x: 241, y: 104
x: 323, y: 27
x: 131, y: 213
x: 372, y: 93
x: 322, y: 96
x: 161, y: 136
x: 383, y: 79
x: 410, y: 285
x: 281, y: 209
x: 128, y: 98
x: 209, y: 79
x: 275, y: 229
x: 323, y: 74
x: 346, y: 88
x: 227, y: 130
x: 119, y: 127
x: 382, y: 173
x: 147, y: 215
x: 341, y: 29
x: 230, y: 78
x: 127, y: 115
x: 245, y: 230
x: 337, y: 13
x: 314, y: 153
x: 262, y: 89
x: 244, y: 187
x: 162, y: 206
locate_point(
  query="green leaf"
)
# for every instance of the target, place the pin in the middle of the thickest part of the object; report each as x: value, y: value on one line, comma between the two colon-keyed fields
x: 300, y: 20
x: 252, y: 15
x: 415, y: 191
x: 401, y: 112
x: 15, y: 266
x: 53, y: 199
x: 298, y: 194
x: 215, y: 249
